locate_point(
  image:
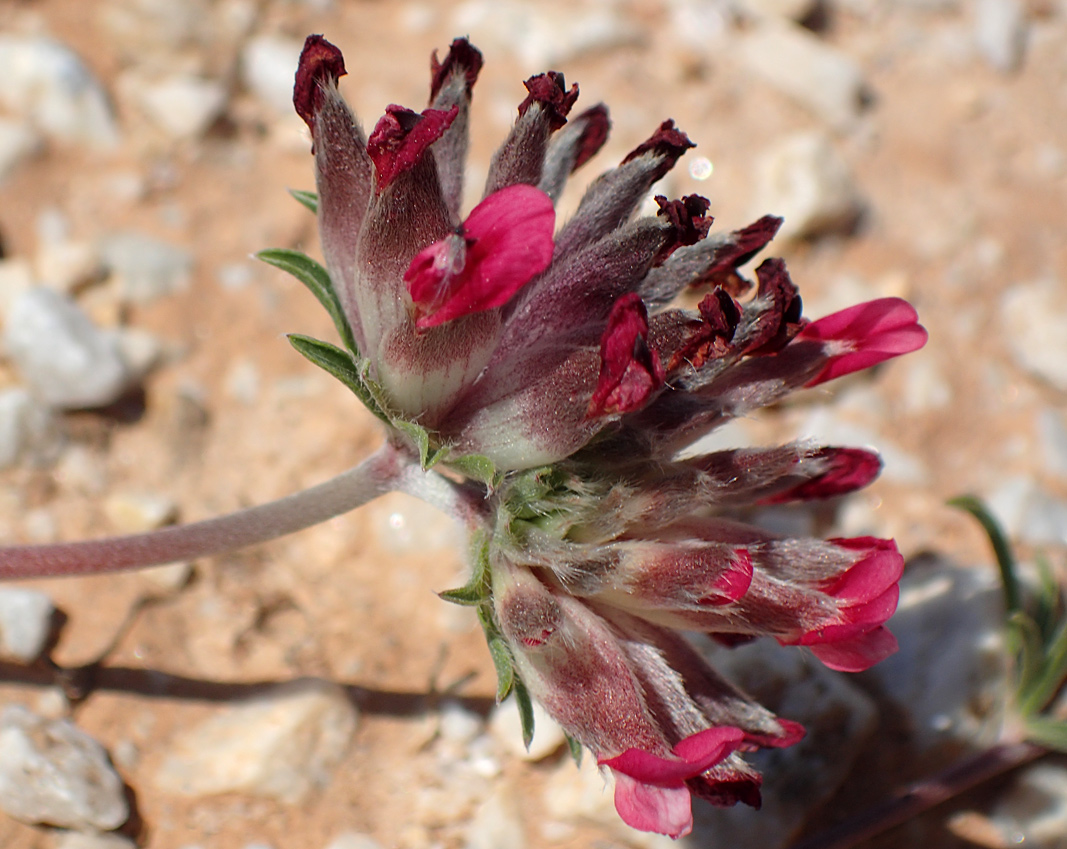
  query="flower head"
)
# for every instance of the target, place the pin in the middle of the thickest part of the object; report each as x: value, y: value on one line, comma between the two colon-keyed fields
x: 547, y: 367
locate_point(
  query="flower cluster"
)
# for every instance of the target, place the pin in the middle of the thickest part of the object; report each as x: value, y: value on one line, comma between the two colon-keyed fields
x: 544, y: 365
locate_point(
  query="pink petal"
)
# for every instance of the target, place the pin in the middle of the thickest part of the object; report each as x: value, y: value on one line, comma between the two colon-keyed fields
x: 630, y: 371
x: 870, y: 333
x: 871, y: 576
x: 733, y: 583
x: 505, y: 242
x: 858, y: 654
x: 848, y: 469
x: 855, y: 621
x: 663, y: 810
x: 695, y: 754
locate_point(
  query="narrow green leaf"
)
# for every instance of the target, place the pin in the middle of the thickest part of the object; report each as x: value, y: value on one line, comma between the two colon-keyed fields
x: 470, y: 596
x: 575, y: 748
x: 317, y: 279
x: 338, y: 363
x: 505, y: 669
x: 1051, y: 733
x: 1029, y: 648
x: 1051, y: 679
x: 526, y: 714
x: 1001, y: 548
x: 308, y: 199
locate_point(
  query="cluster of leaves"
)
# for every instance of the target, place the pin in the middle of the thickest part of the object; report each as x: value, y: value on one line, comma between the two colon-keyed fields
x: 1036, y: 623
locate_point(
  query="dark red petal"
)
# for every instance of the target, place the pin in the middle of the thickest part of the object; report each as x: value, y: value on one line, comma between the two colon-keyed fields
x: 710, y: 339
x: 630, y: 371
x: 734, y: 581
x: 779, y: 321
x: 463, y: 58
x: 688, y: 219
x: 845, y: 470
x: 742, y: 246
x: 320, y: 62
x: 401, y: 137
x: 667, y: 142
x: 596, y: 125
x: 550, y: 90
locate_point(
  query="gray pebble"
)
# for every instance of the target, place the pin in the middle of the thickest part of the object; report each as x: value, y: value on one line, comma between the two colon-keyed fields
x: 1032, y: 322
x: 61, y: 355
x: 353, y: 840
x: 814, y: 74
x: 52, y: 772
x: 45, y: 83
x: 1034, y: 810
x: 147, y: 268
x: 28, y: 428
x: 281, y: 744
x: 268, y: 63
x: 806, y: 181
x: 78, y: 840
x: 1000, y: 33
x: 182, y: 106
x: 18, y: 142
x: 25, y: 623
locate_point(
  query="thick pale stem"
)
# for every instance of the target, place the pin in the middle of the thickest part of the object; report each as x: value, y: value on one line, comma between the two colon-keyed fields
x: 389, y: 469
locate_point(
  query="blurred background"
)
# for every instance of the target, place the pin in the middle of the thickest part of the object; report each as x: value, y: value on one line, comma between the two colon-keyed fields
x: 917, y: 148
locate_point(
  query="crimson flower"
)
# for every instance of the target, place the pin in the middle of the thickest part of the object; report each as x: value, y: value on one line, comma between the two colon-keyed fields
x: 545, y: 369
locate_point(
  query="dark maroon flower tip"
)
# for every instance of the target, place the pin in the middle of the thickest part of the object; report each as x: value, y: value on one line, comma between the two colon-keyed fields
x: 595, y: 128
x: 630, y: 371
x: 320, y: 62
x: 550, y: 90
x: 710, y: 339
x: 402, y: 136
x: 727, y: 793
x: 742, y: 246
x: 779, y: 320
x: 688, y: 219
x: 844, y: 470
x: 463, y: 57
x: 667, y: 142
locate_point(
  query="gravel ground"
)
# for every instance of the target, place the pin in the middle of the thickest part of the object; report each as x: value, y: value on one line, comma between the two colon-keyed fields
x: 918, y: 148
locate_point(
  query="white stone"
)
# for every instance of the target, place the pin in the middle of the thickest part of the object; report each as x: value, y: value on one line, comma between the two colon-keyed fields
x: 1033, y: 812
x: 268, y: 65
x: 497, y: 823
x: 793, y: 10
x: 18, y: 142
x: 1033, y: 322
x: 25, y: 623
x: 505, y: 725
x: 282, y: 744
x: 61, y: 355
x: 52, y: 772
x: 1000, y: 32
x: 948, y: 678
x: 353, y: 840
x: 456, y: 724
x: 68, y: 265
x: 817, y: 76
x: 147, y: 268
x: 45, y: 83
x: 182, y: 106
x: 135, y: 512
x: 806, y: 181
x: 27, y: 428
x: 538, y: 39
x: 1052, y: 430
x: 839, y: 719
x: 16, y: 277
x: 78, y: 840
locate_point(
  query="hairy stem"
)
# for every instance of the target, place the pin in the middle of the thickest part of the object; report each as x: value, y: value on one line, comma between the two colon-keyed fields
x: 387, y: 470
x: 924, y: 795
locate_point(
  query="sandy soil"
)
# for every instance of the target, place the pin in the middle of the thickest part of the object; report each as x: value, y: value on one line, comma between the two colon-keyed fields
x: 961, y: 206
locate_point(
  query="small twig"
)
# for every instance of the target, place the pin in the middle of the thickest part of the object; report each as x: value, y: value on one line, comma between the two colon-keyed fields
x: 924, y: 795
